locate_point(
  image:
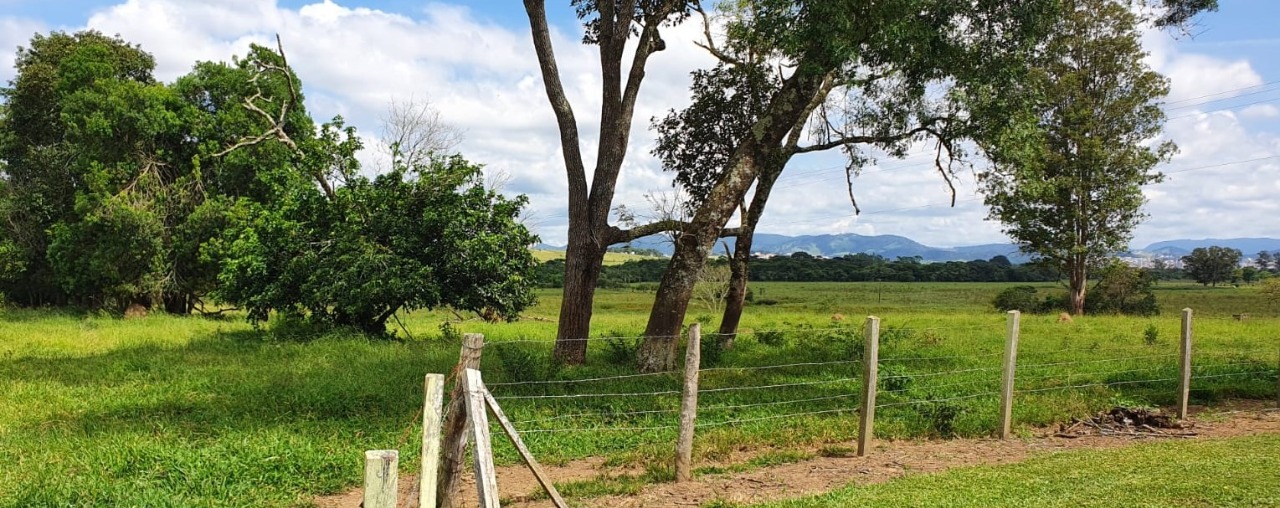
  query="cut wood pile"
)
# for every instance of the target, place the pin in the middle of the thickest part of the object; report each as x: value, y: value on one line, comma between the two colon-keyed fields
x: 1137, y: 422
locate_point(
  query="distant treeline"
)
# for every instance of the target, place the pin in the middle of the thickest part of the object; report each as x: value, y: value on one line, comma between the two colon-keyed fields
x: 803, y: 267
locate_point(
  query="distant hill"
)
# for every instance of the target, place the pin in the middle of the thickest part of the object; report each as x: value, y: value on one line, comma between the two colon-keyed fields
x: 1178, y: 248
x: 893, y: 247
x: 889, y: 246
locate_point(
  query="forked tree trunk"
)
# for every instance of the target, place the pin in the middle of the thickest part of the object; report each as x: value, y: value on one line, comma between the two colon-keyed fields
x: 1077, y: 284
x: 736, y: 298
x: 657, y: 351
x: 740, y: 262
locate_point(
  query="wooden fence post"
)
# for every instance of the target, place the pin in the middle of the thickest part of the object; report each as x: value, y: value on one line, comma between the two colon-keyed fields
x: 1184, y: 385
x: 870, y: 367
x: 432, y: 414
x: 482, y: 449
x: 689, y: 404
x: 455, y: 425
x: 381, y: 478
x: 1006, y: 380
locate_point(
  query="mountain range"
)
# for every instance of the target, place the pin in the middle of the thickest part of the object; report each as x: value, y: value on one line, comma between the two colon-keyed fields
x: 893, y: 247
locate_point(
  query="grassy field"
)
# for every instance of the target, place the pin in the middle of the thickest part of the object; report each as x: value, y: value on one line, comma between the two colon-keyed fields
x: 167, y: 411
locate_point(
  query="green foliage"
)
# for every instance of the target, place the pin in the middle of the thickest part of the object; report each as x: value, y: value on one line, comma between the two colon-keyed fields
x: 1151, y: 336
x: 412, y: 238
x: 1123, y: 289
x: 1020, y: 298
x: 1070, y: 163
x: 1211, y: 265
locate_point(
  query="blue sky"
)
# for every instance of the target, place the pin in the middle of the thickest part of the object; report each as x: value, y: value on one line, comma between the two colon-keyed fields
x: 473, y: 61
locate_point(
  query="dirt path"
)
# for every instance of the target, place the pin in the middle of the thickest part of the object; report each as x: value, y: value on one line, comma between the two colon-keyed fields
x: 888, y: 460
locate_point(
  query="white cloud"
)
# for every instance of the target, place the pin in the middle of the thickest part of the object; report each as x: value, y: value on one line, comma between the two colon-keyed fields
x: 484, y: 78
x: 1260, y: 111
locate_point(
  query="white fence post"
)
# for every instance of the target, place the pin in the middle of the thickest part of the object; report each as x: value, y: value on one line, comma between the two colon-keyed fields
x: 381, y: 478
x: 870, y: 368
x: 1006, y: 380
x: 432, y: 409
x: 482, y: 449
x: 689, y: 404
x: 1184, y: 386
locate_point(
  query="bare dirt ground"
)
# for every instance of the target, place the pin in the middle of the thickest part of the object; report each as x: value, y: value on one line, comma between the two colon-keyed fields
x: 887, y: 460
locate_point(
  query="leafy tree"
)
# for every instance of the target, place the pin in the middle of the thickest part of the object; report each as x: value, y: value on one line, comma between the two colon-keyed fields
x: 1271, y: 290
x: 1263, y: 260
x: 616, y: 28
x: 1123, y: 289
x: 416, y: 237
x: 864, y: 71
x: 1211, y: 265
x: 1071, y: 194
x: 46, y: 170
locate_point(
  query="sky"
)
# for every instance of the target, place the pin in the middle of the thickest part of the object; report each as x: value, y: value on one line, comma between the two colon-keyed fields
x: 474, y: 62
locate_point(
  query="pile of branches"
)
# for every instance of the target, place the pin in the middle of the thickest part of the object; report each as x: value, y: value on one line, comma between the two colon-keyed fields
x: 1137, y: 422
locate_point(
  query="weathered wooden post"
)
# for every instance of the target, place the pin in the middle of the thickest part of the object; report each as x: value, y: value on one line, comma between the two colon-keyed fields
x: 482, y: 448
x: 381, y: 478
x: 689, y: 404
x: 432, y: 414
x: 870, y: 368
x: 1184, y: 385
x: 1006, y: 380
x: 455, y: 425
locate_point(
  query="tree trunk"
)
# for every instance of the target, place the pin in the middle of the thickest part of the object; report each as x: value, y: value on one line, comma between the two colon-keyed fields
x: 583, y: 260
x: 736, y: 298
x: 657, y: 350
x: 178, y: 304
x: 739, y: 264
x: 1078, y: 284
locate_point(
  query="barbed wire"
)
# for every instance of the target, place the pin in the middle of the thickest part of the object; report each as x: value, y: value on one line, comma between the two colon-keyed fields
x: 586, y: 380
x: 1089, y: 385
x: 774, y: 417
x: 783, y: 366
x: 768, y: 387
x: 588, y: 395
x: 935, y: 374
x: 1104, y: 360
x: 947, y: 399
x: 928, y: 358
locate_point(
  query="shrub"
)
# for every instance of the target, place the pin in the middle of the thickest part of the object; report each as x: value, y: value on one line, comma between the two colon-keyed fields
x: 1122, y: 289
x: 619, y: 349
x: 771, y: 338
x: 1020, y: 298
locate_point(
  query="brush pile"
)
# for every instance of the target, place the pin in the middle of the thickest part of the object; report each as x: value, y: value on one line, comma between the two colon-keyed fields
x: 1139, y: 422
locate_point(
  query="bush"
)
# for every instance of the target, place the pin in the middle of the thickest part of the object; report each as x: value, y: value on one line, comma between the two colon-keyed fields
x: 771, y: 338
x: 1122, y: 289
x: 1020, y: 298
x: 620, y: 350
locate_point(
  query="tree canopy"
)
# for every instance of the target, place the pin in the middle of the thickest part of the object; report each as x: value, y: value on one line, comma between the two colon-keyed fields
x: 119, y: 190
x: 1211, y: 265
x: 1067, y: 173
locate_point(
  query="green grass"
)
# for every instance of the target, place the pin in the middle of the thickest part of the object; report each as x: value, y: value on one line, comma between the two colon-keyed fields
x: 1222, y: 472
x: 167, y: 411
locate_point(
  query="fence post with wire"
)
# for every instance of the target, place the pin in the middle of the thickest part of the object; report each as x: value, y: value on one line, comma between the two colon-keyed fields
x: 689, y: 404
x: 870, y: 362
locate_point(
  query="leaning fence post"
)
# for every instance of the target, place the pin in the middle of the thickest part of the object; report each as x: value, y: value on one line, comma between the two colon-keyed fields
x: 381, y: 478
x: 689, y: 404
x: 1006, y: 380
x: 1184, y: 385
x: 433, y: 400
x: 870, y: 364
x: 482, y: 449
x: 455, y: 425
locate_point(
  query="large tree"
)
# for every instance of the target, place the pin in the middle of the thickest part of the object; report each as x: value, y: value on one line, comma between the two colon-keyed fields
x: 1211, y: 265
x: 1071, y: 194
x: 868, y: 72
x: 617, y: 28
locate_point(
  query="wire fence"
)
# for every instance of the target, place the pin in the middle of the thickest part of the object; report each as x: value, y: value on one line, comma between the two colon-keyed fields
x: 932, y: 381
